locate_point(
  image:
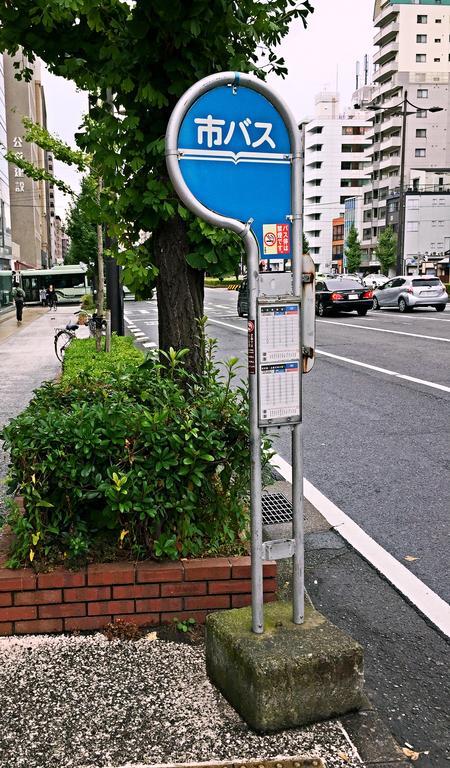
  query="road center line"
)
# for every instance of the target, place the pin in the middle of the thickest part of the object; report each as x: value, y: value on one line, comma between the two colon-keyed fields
x: 416, y: 592
x: 385, y: 330
x: 403, y: 376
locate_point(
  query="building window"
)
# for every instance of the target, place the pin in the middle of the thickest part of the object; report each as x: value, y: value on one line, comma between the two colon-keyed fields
x: 421, y: 133
x: 421, y: 38
x: 421, y: 113
x: 421, y: 58
x: 420, y: 152
x: 422, y: 19
x: 422, y: 93
x: 412, y: 226
x: 438, y: 21
x: 437, y: 59
x: 437, y: 39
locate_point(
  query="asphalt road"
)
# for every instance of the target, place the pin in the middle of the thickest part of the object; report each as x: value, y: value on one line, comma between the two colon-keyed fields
x: 378, y: 446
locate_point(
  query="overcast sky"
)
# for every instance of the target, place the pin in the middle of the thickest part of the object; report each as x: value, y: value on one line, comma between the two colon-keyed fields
x: 339, y: 33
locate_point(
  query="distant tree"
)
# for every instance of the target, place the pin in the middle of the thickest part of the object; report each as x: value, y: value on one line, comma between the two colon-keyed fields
x: 353, y: 250
x: 386, y: 250
x: 305, y: 244
x: 81, y: 227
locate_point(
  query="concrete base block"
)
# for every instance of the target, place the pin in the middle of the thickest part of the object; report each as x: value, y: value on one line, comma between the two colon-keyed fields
x: 289, y: 676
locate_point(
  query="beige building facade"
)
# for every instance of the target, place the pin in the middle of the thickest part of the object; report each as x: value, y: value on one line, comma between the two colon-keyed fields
x: 30, y: 215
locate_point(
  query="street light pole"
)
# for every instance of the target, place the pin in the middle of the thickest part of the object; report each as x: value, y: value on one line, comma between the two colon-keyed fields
x: 401, y: 201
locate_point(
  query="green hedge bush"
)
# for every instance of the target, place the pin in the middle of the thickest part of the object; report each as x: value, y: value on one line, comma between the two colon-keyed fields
x: 130, y: 458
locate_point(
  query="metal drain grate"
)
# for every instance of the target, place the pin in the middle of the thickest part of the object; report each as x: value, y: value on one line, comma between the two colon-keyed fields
x: 276, y: 508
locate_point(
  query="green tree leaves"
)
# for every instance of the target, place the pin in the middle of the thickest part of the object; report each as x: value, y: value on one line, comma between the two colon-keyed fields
x: 353, y: 250
x: 386, y: 249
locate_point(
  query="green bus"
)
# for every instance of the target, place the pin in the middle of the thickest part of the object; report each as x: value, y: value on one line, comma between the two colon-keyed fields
x: 70, y: 283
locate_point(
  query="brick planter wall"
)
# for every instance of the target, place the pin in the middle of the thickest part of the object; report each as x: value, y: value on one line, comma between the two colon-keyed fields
x: 146, y: 593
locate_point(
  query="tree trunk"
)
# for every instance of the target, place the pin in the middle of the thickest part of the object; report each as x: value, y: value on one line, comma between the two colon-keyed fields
x: 180, y: 291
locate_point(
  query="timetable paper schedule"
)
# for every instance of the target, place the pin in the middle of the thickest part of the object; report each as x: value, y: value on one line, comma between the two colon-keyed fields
x: 279, y: 332
x: 279, y: 391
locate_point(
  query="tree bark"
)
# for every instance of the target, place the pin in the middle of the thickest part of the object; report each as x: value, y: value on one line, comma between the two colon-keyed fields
x: 180, y: 291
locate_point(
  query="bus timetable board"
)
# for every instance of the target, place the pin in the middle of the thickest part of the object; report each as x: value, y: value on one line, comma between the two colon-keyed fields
x: 279, y: 362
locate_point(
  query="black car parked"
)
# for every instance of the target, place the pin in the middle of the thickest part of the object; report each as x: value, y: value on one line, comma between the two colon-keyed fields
x: 342, y: 295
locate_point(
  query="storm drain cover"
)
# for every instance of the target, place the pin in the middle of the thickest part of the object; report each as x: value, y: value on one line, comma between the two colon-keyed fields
x: 276, y: 509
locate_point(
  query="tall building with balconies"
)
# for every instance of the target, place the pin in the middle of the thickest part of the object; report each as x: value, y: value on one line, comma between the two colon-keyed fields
x: 413, y: 57
x: 335, y: 168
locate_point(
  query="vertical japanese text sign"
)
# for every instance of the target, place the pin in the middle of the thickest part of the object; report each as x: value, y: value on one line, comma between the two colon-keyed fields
x: 233, y: 158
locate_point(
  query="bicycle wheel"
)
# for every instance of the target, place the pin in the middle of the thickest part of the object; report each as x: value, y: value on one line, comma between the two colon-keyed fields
x: 62, y: 341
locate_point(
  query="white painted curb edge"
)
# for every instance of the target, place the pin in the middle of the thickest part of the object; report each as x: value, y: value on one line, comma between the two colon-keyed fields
x: 433, y: 607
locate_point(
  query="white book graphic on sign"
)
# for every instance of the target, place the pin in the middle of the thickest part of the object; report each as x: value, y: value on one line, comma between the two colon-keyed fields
x: 226, y: 156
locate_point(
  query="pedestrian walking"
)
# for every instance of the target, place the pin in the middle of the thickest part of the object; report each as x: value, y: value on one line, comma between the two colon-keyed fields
x: 43, y: 297
x: 52, y: 299
x: 19, y: 299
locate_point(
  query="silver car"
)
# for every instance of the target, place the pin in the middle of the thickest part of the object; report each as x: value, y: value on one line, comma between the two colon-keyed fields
x: 409, y: 291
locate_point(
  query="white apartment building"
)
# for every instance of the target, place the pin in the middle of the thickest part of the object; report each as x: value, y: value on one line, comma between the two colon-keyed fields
x: 335, y: 168
x: 413, y: 56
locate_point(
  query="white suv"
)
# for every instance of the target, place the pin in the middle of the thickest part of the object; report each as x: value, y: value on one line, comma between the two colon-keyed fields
x: 409, y: 291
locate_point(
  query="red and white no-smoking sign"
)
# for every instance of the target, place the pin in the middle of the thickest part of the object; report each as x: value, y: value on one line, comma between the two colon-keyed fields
x: 276, y: 239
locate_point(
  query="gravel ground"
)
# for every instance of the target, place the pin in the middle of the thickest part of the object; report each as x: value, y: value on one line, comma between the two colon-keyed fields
x: 84, y: 702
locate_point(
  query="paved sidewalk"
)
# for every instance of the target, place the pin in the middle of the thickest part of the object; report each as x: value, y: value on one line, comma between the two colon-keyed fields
x: 27, y: 358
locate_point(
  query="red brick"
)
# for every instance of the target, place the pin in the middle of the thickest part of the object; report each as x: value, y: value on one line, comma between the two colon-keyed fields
x: 61, y: 610
x: 150, y: 571
x: 238, y: 601
x: 208, y: 602
x: 110, y: 573
x: 141, y: 619
x: 44, y: 626
x: 6, y: 628
x: 5, y: 599
x: 11, y: 580
x: 270, y: 585
x: 86, y: 623
x: 111, y: 606
x: 207, y: 569
x: 82, y: 594
x: 185, y: 588
x: 230, y: 586
x: 241, y: 567
x: 39, y: 597
x: 199, y: 616
x: 18, y: 613
x: 158, y: 605
x: 61, y: 578
x: 135, y: 590
x: 270, y: 569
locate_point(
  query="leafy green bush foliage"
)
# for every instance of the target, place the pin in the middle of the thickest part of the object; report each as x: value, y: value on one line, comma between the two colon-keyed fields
x: 128, y: 459
x: 82, y: 357
x: 447, y: 285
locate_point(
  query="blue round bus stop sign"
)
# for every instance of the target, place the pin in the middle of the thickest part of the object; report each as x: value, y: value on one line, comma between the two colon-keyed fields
x: 234, y: 154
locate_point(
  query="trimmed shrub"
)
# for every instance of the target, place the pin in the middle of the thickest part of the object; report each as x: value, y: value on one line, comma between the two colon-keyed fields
x: 122, y: 458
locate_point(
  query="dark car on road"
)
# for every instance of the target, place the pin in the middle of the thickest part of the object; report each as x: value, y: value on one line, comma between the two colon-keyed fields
x: 335, y: 294
x: 242, y: 303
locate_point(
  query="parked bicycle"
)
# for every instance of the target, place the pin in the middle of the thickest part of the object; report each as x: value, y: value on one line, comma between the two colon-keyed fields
x: 64, y: 336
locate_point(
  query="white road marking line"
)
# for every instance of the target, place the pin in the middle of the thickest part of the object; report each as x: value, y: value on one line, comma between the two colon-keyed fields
x: 416, y: 592
x: 385, y: 330
x: 143, y: 311
x: 150, y: 344
x: 138, y: 334
x: 403, y: 376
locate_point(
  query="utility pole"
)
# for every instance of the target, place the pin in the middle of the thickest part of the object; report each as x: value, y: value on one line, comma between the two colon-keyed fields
x: 401, y: 200
x: 114, y: 289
